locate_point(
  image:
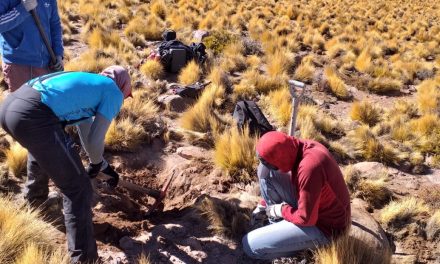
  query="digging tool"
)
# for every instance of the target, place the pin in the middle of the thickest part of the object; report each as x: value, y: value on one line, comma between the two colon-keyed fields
x: 44, y: 36
x: 158, y: 204
x: 296, y: 89
x: 156, y: 194
x: 133, y: 187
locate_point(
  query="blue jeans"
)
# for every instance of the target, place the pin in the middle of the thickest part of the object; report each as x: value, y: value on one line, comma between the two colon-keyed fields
x: 280, y: 239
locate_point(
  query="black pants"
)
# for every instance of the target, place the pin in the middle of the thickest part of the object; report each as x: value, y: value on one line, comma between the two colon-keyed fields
x: 51, y: 152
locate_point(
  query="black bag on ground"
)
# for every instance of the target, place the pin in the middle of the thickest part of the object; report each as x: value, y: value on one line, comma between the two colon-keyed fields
x: 174, y: 55
x: 248, y: 113
x: 191, y: 91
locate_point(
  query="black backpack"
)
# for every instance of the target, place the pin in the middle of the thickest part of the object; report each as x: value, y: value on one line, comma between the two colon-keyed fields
x: 174, y: 54
x: 248, y: 113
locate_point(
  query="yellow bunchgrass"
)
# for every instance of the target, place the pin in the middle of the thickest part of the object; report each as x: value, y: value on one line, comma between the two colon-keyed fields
x: 144, y: 259
x: 374, y: 192
x: 152, y: 69
x: 150, y: 27
x: 433, y: 226
x: 125, y: 134
x: 235, y: 153
x: 364, y: 61
x: 159, y: 8
x: 399, y: 213
x: 190, y: 73
x: 365, y: 112
x: 278, y: 64
x: 336, y: 84
x: 24, y: 237
x: 384, y: 85
x: 369, y: 147
x: 348, y: 249
x: 90, y: 61
x: 201, y: 117
x: 278, y: 103
x: 352, y: 176
x: 428, y: 96
x: 305, y: 71
x: 140, y: 107
x: 16, y: 159
x: 224, y: 217
x: 38, y: 254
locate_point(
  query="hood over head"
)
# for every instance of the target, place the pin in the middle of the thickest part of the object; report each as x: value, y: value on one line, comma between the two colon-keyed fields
x: 121, y: 77
x: 278, y: 149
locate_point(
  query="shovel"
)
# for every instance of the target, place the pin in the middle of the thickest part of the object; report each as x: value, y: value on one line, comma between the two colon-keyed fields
x: 296, y: 89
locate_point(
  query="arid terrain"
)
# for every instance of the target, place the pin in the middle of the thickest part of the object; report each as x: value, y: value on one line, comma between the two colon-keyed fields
x: 372, y: 97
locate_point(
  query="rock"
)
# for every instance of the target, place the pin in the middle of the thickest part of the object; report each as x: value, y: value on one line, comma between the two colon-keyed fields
x: 434, y: 177
x: 175, y: 102
x: 368, y: 230
x: 126, y: 243
x: 199, y: 35
x: 371, y: 169
x: 191, y: 152
x: 404, y: 259
x: 193, y: 243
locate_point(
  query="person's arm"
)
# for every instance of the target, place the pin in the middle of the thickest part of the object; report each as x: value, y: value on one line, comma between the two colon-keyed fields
x: 11, y: 18
x: 56, y: 31
x: 310, y: 183
x: 92, y: 137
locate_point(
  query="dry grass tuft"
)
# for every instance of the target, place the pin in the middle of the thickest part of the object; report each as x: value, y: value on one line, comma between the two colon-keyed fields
x: 352, y: 176
x: 16, y: 159
x: 367, y: 146
x: 433, y: 226
x: 305, y: 71
x: 347, y: 249
x: 428, y: 96
x: 365, y: 112
x: 374, y: 192
x: 225, y: 217
x: 152, y: 69
x: 24, y: 238
x: 235, y: 153
x: 336, y: 84
x: 201, y: 117
x: 398, y: 213
x: 279, y: 105
x: 190, y: 73
x: 125, y: 134
x: 384, y: 85
x: 144, y: 259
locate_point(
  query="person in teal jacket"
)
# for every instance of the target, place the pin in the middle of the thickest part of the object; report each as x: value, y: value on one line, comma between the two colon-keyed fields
x: 24, y: 53
x: 35, y: 115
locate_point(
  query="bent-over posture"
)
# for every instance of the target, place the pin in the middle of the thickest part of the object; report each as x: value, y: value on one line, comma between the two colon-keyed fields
x: 304, y: 196
x: 35, y: 115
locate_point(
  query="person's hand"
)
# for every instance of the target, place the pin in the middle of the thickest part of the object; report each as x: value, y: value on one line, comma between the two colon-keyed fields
x: 29, y: 4
x: 113, y: 181
x: 58, y: 65
x: 274, y: 211
x: 93, y: 170
x: 258, y: 215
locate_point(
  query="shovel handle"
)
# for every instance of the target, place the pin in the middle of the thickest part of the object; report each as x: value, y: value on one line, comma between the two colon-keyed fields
x: 44, y: 36
x: 293, y: 84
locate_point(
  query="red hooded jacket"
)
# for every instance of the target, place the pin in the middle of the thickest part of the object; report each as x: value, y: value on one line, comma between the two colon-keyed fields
x: 323, y: 198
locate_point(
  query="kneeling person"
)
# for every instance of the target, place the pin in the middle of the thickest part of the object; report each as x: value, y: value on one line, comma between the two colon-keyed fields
x: 304, y: 194
x: 35, y: 115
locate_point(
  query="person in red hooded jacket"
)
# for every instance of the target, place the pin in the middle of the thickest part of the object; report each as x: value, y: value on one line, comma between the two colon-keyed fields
x: 304, y: 196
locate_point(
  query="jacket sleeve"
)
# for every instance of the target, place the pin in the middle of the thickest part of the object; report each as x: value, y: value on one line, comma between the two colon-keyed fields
x: 56, y: 31
x: 92, y: 137
x: 10, y: 18
x: 310, y: 183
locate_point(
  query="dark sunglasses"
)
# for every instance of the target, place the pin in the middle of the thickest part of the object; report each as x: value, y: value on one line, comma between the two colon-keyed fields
x: 265, y: 163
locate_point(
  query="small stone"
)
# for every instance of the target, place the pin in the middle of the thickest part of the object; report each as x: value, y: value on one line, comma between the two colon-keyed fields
x: 193, y: 243
x: 126, y: 243
x: 191, y: 152
x: 175, y: 102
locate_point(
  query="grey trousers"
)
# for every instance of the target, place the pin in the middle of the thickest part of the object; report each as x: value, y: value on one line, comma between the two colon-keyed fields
x: 36, y: 128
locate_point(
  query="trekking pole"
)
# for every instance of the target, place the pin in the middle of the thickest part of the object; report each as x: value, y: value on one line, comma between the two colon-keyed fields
x: 44, y: 36
x: 293, y: 87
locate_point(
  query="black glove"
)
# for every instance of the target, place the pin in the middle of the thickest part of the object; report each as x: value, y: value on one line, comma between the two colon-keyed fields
x: 58, y: 65
x: 93, y: 170
x: 113, y: 181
